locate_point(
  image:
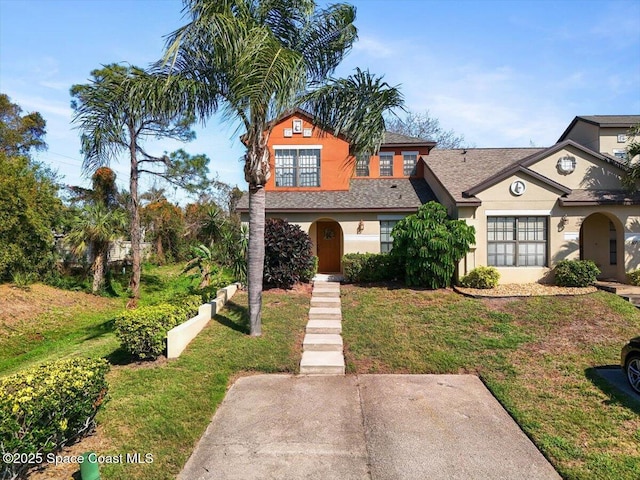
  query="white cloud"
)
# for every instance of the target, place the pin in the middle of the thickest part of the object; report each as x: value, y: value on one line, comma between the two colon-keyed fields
x: 373, y: 47
x: 44, y: 106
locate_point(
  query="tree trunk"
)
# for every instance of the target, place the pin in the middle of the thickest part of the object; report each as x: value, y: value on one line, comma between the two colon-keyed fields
x: 136, y: 234
x: 255, y: 261
x: 99, y: 262
x: 160, y: 250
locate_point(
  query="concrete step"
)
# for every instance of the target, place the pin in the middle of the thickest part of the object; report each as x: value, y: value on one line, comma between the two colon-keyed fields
x: 325, y: 302
x: 322, y: 293
x: 325, y: 313
x: 324, y: 326
x: 633, y: 298
x: 322, y: 363
x: 322, y: 342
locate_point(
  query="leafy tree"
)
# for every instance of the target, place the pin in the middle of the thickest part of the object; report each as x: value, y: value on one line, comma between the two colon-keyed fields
x: 287, y: 257
x: 631, y: 180
x: 20, y: 134
x: 256, y: 60
x: 30, y: 209
x: 429, y: 244
x: 165, y: 225
x: 423, y: 125
x: 113, y: 121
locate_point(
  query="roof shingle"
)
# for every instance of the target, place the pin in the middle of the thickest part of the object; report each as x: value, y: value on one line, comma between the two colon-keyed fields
x: 364, y: 194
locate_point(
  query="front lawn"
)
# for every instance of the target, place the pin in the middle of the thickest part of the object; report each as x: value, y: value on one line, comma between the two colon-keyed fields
x: 536, y: 355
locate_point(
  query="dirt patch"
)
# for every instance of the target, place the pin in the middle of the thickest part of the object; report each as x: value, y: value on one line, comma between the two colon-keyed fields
x: 525, y: 290
x: 96, y: 442
x: 297, y: 289
x: 20, y: 305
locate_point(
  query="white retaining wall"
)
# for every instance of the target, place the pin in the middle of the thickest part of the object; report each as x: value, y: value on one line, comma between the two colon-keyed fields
x: 179, y: 337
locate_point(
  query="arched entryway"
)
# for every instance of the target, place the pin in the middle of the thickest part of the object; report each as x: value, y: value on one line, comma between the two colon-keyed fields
x: 602, y: 240
x: 328, y: 240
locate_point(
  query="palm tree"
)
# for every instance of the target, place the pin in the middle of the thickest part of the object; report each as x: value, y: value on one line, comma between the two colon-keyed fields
x: 256, y: 60
x: 95, y: 228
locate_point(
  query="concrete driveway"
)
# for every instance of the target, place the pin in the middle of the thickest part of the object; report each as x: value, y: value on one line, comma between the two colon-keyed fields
x: 364, y: 427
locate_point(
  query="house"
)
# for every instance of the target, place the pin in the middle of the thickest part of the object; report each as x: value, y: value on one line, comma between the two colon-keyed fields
x: 531, y: 207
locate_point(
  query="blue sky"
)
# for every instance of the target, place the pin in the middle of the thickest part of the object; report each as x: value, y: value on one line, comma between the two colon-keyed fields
x: 502, y: 73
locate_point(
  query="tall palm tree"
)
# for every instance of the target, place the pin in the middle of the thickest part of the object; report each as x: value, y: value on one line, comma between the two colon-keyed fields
x: 94, y: 230
x: 256, y: 60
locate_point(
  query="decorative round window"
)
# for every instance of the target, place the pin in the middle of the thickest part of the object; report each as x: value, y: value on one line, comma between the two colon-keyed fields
x: 566, y: 164
x: 517, y: 188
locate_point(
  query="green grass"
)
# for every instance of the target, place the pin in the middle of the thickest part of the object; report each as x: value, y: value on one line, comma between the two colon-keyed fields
x: 164, y: 409
x: 536, y: 355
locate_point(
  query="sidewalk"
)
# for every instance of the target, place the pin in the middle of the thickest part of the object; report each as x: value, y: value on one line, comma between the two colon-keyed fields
x: 364, y: 427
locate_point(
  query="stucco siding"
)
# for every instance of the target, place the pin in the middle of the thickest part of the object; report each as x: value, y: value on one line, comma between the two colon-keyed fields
x: 589, y: 173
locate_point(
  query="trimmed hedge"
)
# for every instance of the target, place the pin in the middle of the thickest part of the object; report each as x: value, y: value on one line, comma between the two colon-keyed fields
x: 634, y: 277
x: 288, y: 257
x: 576, y: 273
x: 481, y: 277
x: 45, y: 407
x: 143, y: 331
x: 371, y: 267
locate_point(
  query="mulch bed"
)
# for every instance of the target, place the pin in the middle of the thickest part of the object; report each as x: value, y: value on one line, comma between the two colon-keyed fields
x: 524, y: 290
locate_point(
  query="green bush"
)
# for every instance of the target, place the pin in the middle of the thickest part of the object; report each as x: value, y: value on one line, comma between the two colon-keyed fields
x: 287, y: 254
x: 45, y: 407
x: 310, y: 272
x: 143, y: 332
x: 429, y: 244
x: 370, y: 267
x: 481, y: 277
x: 634, y: 277
x: 576, y: 273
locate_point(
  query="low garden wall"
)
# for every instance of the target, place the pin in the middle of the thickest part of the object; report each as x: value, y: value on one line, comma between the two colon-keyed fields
x: 179, y: 337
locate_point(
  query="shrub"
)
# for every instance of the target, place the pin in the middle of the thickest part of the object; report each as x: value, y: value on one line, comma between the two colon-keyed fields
x: 287, y: 254
x: 429, y: 244
x: 45, y: 407
x: 143, y: 332
x: 634, y: 277
x: 576, y: 273
x: 370, y: 267
x: 481, y: 277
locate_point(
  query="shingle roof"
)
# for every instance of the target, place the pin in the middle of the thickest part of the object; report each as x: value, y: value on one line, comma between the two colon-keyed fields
x: 623, y: 121
x: 391, y: 138
x: 364, y: 194
x: 459, y: 170
x: 600, y: 197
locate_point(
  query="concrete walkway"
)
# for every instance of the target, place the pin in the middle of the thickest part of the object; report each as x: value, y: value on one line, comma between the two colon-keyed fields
x: 382, y: 427
x: 322, y: 348
x: 631, y: 293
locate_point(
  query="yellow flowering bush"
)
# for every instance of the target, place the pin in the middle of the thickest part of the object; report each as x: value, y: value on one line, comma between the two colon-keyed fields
x: 143, y: 332
x: 44, y: 407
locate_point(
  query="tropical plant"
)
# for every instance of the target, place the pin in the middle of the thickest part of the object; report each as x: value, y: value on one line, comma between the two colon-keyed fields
x: 631, y: 179
x: 287, y: 254
x: 113, y: 120
x: 430, y: 245
x: 256, y: 60
x: 205, y: 263
x: 164, y: 224
x: 95, y: 228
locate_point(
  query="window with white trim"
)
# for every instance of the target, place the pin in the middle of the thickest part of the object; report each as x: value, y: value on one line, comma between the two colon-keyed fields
x: 386, y: 164
x: 517, y: 241
x: 409, y: 161
x: 297, y: 167
x: 362, y: 165
x: 386, y: 240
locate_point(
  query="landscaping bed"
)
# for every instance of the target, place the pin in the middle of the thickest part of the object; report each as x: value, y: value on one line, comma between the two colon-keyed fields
x: 524, y: 290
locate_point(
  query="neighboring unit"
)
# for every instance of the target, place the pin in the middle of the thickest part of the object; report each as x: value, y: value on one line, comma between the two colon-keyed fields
x: 531, y: 207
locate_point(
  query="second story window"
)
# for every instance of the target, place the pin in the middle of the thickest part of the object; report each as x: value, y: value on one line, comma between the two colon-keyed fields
x: 409, y: 161
x: 386, y: 164
x: 297, y: 167
x: 362, y: 166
